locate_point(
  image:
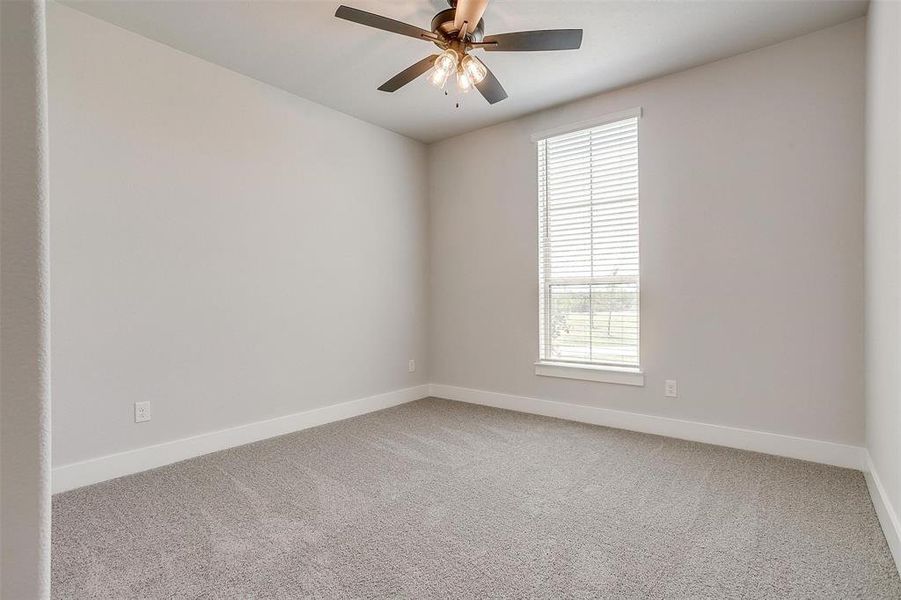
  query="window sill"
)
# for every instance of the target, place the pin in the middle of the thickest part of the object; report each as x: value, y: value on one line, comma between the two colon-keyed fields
x: 620, y: 375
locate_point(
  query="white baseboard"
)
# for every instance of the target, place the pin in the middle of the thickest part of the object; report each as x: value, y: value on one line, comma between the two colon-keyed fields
x: 888, y: 518
x: 830, y: 453
x: 67, y: 477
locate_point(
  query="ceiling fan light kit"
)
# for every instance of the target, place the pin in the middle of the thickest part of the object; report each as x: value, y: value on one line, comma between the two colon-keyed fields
x: 452, y: 30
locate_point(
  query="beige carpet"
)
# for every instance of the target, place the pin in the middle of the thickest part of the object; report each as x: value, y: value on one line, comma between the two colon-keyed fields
x: 438, y: 499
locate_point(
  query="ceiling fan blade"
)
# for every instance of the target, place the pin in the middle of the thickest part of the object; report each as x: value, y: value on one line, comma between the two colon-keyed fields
x: 408, y: 74
x: 384, y: 23
x: 491, y: 88
x: 469, y: 11
x: 529, y: 41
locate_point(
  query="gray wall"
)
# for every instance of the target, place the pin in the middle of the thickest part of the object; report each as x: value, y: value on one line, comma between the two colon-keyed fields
x: 221, y: 248
x: 24, y: 305
x: 751, y: 244
x: 883, y: 252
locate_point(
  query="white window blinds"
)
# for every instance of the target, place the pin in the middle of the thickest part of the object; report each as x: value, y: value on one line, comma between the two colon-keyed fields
x: 588, y: 245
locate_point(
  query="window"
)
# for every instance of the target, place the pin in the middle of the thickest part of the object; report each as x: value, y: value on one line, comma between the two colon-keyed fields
x: 588, y: 246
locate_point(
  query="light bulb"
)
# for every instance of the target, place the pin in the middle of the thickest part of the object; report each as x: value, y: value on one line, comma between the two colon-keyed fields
x: 474, y: 68
x: 463, y: 81
x: 445, y: 64
x: 447, y: 61
x: 438, y: 77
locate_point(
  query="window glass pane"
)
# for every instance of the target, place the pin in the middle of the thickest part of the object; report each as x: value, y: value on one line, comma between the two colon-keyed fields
x: 570, y: 319
x: 614, y: 332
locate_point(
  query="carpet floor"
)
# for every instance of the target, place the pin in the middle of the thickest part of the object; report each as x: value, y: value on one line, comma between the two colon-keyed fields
x: 439, y: 499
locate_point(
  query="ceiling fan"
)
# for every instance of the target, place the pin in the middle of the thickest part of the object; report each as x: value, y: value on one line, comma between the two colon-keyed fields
x: 457, y: 31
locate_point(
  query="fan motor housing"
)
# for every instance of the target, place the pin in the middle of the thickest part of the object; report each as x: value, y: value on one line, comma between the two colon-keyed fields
x: 443, y: 25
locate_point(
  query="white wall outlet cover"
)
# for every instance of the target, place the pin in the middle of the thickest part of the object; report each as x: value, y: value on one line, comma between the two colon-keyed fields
x: 412, y: 365
x: 671, y: 389
x: 142, y: 411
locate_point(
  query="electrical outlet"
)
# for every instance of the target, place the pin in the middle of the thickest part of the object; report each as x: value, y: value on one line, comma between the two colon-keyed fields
x: 411, y: 366
x: 142, y: 412
x: 671, y: 389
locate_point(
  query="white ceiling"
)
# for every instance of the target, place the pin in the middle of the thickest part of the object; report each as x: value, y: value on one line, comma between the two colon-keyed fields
x: 301, y: 47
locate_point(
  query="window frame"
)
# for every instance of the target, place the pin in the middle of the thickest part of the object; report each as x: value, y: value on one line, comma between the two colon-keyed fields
x: 591, y: 371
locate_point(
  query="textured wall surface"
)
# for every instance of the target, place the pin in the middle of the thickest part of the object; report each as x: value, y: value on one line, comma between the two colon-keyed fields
x: 220, y: 248
x: 883, y: 252
x: 24, y: 305
x: 752, y: 245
